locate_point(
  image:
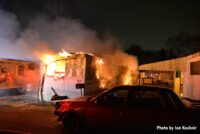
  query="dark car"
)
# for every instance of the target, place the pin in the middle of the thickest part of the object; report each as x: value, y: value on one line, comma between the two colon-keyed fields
x: 127, y: 109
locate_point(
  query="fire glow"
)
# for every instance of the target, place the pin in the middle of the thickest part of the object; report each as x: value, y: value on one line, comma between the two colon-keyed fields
x: 105, y: 74
x: 56, y: 69
x: 64, y: 54
x: 109, y: 76
x: 49, y: 59
x: 99, y: 73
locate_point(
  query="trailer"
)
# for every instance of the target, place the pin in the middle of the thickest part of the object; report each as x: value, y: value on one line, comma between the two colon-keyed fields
x: 17, y: 76
x: 71, y: 76
x: 180, y: 74
x: 191, y: 86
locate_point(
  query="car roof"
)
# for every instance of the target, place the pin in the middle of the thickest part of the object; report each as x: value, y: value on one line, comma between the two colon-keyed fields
x: 138, y: 87
x: 146, y: 87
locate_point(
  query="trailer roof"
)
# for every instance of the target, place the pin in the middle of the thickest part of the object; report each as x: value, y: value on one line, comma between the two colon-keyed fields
x: 169, y: 65
x: 8, y: 59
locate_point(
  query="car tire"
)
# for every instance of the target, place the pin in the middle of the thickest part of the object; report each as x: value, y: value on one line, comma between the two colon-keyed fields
x: 72, y: 124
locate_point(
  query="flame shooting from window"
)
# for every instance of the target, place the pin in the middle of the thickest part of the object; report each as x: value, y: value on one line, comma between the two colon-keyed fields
x: 64, y: 53
x: 53, y: 68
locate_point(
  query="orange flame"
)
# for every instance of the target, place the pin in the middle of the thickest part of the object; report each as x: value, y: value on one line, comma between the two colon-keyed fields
x: 99, y: 61
x: 99, y: 71
x: 127, y: 78
x: 64, y: 53
x: 107, y: 73
x: 49, y: 59
x: 53, y: 68
x: 120, y: 75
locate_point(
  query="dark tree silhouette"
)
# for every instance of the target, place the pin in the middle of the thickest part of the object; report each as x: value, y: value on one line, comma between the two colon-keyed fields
x: 162, y: 54
x: 170, y: 53
x: 137, y: 51
x: 54, y: 8
x: 183, y: 44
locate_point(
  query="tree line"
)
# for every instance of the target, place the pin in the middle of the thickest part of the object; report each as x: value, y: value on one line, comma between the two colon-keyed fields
x: 180, y: 45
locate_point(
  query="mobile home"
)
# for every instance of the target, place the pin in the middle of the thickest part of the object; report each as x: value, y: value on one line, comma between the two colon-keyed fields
x: 64, y: 74
x: 18, y: 75
x: 181, y: 74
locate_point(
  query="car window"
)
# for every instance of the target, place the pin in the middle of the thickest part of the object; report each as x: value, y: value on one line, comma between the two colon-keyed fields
x: 145, y: 99
x: 168, y: 102
x: 176, y: 100
x: 115, y: 98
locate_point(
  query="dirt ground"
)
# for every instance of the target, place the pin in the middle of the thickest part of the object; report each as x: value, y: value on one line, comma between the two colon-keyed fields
x: 19, y: 114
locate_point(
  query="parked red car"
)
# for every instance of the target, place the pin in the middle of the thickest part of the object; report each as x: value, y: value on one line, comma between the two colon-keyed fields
x: 127, y: 109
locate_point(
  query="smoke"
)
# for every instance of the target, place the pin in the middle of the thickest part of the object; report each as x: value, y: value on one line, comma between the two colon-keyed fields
x: 67, y: 34
x: 44, y: 36
x: 118, y: 68
x: 9, y: 28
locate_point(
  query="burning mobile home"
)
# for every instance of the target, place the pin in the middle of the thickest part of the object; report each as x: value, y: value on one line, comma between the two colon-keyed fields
x: 17, y: 76
x: 67, y: 72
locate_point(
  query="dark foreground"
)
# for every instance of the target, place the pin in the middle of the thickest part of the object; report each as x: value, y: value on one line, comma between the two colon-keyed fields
x: 26, y: 115
x: 22, y: 115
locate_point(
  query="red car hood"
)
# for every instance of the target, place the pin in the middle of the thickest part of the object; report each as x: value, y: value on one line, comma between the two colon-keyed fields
x: 73, y: 104
x: 80, y: 99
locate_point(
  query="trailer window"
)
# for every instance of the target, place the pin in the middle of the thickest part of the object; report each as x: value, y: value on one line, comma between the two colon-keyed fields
x: 20, y: 70
x: 195, y: 68
x: 60, y: 66
x: 32, y: 66
x: 168, y: 102
x: 69, y: 68
x: 75, y: 67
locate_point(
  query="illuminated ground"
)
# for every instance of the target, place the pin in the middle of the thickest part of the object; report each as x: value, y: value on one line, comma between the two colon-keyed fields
x: 28, y: 116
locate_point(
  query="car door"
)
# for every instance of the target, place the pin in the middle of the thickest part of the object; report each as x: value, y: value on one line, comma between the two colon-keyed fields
x: 144, y: 110
x: 175, y: 113
x: 105, y: 110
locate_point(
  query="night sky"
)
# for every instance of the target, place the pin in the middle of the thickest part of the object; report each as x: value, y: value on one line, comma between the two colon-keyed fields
x: 142, y: 22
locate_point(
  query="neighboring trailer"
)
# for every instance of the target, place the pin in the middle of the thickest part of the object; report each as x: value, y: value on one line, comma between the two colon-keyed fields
x: 181, y: 74
x: 18, y: 75
x: 191, y: 85
x: 78, y: 68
